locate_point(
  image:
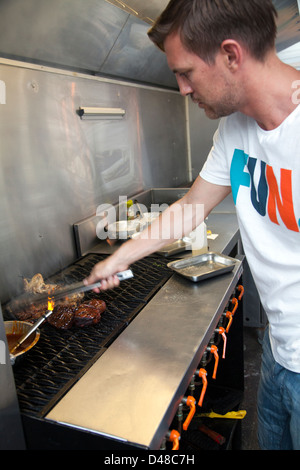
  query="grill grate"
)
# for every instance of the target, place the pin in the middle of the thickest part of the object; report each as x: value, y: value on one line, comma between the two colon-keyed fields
x: 60, y: 357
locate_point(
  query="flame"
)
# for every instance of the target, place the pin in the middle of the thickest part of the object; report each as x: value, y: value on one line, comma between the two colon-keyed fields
x: 50, y: 303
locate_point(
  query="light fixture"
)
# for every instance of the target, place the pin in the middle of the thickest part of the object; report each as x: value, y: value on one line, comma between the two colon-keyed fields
x: 101, y: 113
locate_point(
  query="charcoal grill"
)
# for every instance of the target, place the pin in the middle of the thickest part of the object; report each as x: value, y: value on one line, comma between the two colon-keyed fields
x: 62, y: 356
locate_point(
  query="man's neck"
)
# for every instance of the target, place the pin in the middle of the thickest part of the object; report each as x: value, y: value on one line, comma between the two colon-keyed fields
x: 270, y: 92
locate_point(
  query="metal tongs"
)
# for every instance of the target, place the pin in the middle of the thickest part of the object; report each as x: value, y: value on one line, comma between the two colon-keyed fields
x: 51, y: 297
x: 71, y: 289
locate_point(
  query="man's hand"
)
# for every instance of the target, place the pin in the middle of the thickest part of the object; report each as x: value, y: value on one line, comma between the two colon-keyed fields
x: 105, y: 271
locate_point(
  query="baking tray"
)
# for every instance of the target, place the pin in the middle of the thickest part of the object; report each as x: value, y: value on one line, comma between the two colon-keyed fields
x: 197, y: 268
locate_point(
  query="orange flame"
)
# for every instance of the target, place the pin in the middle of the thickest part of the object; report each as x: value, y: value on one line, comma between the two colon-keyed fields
x: 50, y: 303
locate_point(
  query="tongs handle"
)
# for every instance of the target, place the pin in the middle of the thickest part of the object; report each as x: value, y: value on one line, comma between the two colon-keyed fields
x: 80, y: 287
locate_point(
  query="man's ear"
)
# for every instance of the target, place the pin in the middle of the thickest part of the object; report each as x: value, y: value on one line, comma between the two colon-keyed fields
x: 232, y: 53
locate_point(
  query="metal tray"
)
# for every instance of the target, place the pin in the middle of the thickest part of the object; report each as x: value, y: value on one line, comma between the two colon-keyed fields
x: 197, y: 268
x: 174, y: 248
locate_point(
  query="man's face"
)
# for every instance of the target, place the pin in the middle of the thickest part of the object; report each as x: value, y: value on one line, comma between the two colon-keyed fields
x: 212, y: 87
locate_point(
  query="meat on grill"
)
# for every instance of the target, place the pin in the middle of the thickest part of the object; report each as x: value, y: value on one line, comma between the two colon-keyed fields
x: 31, y: 314
x: 37, y: 285
x: 89, y: 313
x: 62, y: 317
x: 66, y: 312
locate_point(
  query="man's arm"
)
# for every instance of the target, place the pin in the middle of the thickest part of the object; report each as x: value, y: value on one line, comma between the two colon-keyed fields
x: 175, y: 222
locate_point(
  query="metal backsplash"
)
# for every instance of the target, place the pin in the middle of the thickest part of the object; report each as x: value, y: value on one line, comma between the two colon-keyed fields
x: 55, y: 169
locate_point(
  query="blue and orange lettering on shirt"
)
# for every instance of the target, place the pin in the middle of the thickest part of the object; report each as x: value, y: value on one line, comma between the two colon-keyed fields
x: 269, y: 197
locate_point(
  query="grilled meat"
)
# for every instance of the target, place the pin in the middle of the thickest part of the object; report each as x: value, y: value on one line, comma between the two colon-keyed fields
x: 86, y: 314
x: 36, y: 285
x: 31, y: 314
x: 89, y: 313
x: 62, y: 317
x: 67, y: 312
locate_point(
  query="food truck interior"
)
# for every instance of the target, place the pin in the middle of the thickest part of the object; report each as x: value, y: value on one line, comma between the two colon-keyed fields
x: 90, y: 115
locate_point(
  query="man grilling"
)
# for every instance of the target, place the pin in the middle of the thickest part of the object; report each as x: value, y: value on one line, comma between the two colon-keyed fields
x: 223, y: 55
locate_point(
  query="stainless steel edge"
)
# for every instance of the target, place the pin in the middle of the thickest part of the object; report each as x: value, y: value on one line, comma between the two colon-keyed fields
x: 131, y: 393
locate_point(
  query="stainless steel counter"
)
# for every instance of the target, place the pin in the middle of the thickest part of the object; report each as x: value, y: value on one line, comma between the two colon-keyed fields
x: 132, y: 392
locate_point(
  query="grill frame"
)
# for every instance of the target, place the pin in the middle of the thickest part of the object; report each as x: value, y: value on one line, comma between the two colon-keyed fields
x: 44, y: 433
x: 46, y: 372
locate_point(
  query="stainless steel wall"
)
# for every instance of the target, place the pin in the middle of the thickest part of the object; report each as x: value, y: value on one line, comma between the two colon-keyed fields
x: 83, y: 35
x: 55, y: 169
x: 101, y: 36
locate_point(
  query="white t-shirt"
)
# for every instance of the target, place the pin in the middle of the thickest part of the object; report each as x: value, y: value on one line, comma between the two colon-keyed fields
x: 263, y: 169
